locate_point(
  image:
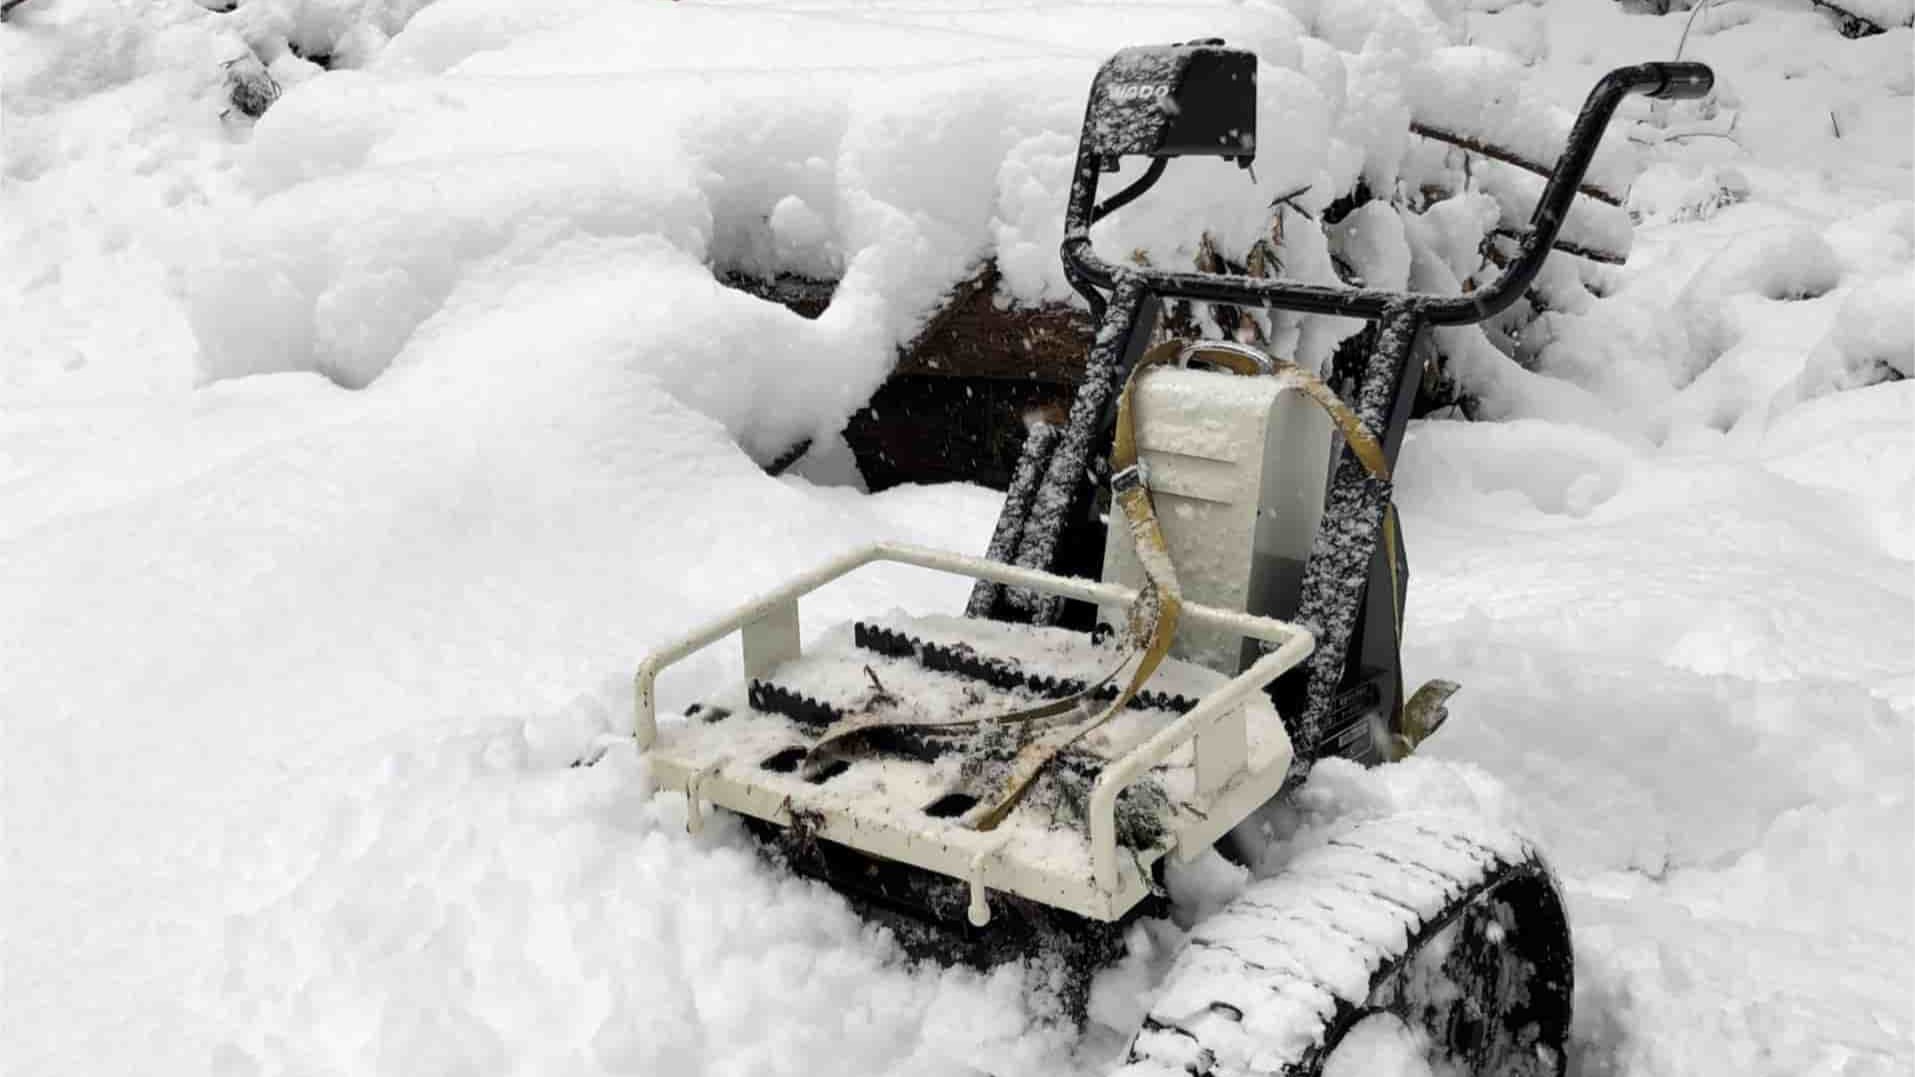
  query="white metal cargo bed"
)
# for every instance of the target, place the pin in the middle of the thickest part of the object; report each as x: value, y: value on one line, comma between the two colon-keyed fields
x: 1215, y: 762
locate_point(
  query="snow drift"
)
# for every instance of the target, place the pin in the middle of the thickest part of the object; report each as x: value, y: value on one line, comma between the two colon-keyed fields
x: 294, y: 675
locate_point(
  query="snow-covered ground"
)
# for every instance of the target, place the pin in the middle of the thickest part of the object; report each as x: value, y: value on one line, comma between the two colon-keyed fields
x: 350, y: 460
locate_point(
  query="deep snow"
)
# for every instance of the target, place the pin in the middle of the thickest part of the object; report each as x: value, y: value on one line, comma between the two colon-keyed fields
x: 295, y: 673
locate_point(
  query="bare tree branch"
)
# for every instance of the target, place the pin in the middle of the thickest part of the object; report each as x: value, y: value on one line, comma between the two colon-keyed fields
x: 1594, y: 254
x: 1852, y: 25
x: 1508, y: 157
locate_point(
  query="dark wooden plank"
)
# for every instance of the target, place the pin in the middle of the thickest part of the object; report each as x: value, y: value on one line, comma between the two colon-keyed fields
x: 974, y: 337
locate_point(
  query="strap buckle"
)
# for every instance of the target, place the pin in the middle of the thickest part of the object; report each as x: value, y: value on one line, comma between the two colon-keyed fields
x: 1129, y: 478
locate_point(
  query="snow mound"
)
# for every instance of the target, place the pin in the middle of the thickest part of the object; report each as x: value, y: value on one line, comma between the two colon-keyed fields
x: 326, y: 33
x: 1380, y: 1045
x: 1873, y: 340
x: 484, y: 906
x: 1781, y: 264
x: 479, y: 130
x: 1884, y: 13
x: 354, y: 265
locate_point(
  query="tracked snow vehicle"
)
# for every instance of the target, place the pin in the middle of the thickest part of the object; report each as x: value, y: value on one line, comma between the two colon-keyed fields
x: 1013, y: 780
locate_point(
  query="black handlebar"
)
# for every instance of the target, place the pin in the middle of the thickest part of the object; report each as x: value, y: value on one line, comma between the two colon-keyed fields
x: 1088, y: 271
x: 1683, y: 80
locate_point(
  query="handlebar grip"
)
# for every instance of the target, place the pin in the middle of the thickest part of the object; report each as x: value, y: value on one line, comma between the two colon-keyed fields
x: 1682, y: 80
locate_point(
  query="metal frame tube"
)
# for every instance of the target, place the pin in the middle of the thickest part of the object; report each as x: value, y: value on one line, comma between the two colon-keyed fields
x: 645, y: 680
x: 1086, y: 268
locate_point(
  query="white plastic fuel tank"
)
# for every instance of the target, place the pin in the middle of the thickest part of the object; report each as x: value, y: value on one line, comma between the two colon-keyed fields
x: 1237, y: 468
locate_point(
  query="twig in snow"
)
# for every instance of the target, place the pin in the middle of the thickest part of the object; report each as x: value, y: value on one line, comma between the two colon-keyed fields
x: 1508, y: 157
x: 1594, y: 254
x: 1849, y: 23
x: 1693, y: 12
x: 879, y: 693
x: 1290, y: 201
x: 7, y: 6
x: 1679, y: 135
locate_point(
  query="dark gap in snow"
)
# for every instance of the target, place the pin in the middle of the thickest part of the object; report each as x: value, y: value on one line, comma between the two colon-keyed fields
x: 784, y: 761
x: 829, y: 771
x: 950, y: 805
x: 783, y: 461
x: 806, y: 297
x: 1346, y: 205
x: 1783, y: 291
x: 321, y: 57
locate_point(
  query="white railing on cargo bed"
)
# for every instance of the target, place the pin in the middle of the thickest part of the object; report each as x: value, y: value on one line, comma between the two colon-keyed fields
x: 769, y: 629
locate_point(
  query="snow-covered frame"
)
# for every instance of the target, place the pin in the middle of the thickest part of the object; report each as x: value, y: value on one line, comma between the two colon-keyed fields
x: 1231, y: 789
x: 1124, y: 301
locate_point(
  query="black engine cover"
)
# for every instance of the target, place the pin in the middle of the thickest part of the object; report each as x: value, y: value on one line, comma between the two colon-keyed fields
x: 1198, y: 99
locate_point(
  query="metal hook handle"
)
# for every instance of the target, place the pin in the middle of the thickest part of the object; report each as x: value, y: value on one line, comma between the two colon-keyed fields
x: 1257, y: 357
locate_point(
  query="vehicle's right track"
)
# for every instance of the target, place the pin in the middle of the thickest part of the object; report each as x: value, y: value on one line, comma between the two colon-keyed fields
x: 1454, y: 925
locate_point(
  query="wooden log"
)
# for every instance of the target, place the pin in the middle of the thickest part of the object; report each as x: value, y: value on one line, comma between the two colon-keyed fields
x: 972, y: 336
x: 958, y: 405
x: 923, y: 428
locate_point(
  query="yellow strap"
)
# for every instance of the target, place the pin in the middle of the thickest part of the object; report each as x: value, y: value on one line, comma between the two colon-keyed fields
x: 1368, y: 451
x: 833, y: 738
x: 1153, y: 615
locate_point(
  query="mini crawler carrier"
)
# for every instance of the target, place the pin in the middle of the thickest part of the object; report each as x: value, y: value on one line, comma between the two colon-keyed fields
x: 1011, y: 781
